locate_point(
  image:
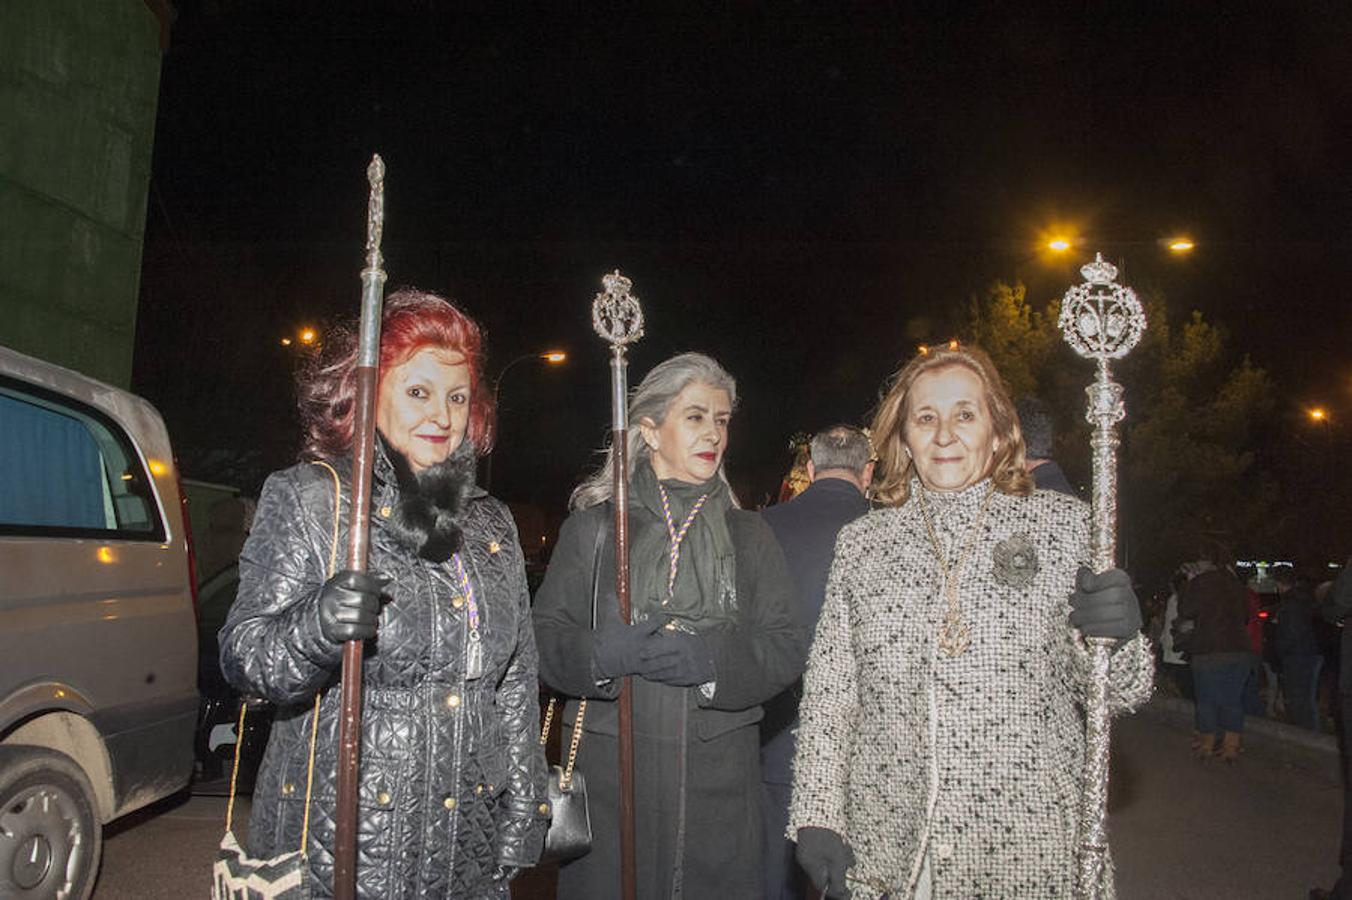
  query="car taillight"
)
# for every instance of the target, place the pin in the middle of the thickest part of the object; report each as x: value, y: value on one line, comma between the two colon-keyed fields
x: 187, y: 541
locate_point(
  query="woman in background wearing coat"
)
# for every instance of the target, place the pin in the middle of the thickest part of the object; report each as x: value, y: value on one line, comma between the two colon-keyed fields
x: 452, y: 776
x: 711, y: 639
x: 942, y: 738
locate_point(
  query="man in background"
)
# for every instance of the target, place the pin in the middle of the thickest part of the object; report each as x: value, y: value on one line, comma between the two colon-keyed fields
x: 1297, y: 649
x: 1336, y: 610
x: 840, y: 469
x: 1038, y: 435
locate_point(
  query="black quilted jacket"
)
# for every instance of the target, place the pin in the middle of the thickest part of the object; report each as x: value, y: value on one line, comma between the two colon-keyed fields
x: 452, y: 774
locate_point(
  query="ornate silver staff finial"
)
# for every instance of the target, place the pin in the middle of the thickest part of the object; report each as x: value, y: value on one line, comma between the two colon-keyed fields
x: 616, y: 315
x: 1101, y: 320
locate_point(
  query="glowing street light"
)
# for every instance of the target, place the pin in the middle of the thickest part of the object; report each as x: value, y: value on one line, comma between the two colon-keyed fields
x: 1318, y: 414
x: 550, y: 357
x: 1060, y: 238
x: 306, y: 336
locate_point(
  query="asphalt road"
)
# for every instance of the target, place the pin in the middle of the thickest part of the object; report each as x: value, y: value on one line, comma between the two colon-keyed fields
x: 1266, y: 828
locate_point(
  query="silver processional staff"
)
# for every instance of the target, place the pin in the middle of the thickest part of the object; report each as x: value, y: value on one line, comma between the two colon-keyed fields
x: 1101, y: 320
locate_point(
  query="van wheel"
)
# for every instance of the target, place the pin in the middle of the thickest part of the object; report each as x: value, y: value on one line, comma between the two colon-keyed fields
x: 50, y: 838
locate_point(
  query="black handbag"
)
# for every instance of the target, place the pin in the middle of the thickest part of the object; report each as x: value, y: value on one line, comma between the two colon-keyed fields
x: 570, y: 834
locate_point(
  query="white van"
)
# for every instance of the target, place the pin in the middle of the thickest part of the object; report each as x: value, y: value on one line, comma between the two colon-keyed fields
x: 98, y: 635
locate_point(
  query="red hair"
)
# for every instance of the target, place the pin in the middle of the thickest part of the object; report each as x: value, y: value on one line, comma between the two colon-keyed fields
x: 410, y: 321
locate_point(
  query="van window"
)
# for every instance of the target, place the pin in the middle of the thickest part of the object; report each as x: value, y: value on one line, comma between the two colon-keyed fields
x: 66, y: 469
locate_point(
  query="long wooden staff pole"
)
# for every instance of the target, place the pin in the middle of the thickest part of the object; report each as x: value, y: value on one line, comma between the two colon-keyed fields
x: 617, y: 318
x: 1101, y: 320
x: 359, y: 535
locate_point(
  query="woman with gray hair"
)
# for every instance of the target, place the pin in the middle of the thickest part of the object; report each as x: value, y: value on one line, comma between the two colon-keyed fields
x: 711, y: 639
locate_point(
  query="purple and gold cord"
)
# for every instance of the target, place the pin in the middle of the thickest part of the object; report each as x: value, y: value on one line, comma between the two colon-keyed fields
x: 468, y: 591
x: 677, y: 536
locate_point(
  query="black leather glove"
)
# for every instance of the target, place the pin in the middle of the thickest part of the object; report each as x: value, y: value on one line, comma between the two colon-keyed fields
x: 677, y: 657
x: 825, y: 857
x: 616, y: 646
x: 349, y: 605
x: 1104, y: 605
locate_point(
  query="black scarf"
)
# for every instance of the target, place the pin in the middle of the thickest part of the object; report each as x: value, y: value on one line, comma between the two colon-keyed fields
x: 426, y: 518
x: 706, y: 579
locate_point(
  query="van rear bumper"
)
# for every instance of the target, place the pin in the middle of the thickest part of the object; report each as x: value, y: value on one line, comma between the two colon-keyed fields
x: 150, y: 747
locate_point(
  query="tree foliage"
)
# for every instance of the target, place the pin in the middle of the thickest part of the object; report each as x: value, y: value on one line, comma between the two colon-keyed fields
x: 1193, y: 468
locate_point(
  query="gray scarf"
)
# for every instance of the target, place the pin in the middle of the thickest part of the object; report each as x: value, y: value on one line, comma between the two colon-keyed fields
x: 705, y: 594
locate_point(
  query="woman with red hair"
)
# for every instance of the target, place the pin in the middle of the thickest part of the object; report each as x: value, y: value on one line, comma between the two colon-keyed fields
x: 452, y: 781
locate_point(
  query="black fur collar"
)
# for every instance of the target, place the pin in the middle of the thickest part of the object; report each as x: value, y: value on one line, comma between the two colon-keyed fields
x: 426, y: 518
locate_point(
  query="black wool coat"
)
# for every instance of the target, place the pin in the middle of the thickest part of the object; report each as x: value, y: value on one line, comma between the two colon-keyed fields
x: 806, y: 527
x: 697, y: 766
x: 452, y: 777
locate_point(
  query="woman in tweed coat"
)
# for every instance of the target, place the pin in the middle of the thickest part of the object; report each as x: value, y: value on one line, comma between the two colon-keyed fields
x: 451, y: 798
x: 942, y: 729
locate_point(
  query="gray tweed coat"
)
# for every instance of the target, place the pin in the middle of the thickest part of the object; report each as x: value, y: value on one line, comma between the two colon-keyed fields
x: 975, y: 760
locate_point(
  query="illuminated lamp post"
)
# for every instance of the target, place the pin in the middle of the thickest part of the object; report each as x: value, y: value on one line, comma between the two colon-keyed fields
x: 549, y: 357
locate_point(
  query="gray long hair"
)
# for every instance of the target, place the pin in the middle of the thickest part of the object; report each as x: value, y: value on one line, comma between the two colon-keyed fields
x: 652, y: 399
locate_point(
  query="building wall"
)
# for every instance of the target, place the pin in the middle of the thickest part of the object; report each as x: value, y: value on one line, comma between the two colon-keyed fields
x: 78, y: 87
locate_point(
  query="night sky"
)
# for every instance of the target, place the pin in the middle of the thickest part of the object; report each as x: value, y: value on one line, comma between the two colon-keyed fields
x: 804, y: 193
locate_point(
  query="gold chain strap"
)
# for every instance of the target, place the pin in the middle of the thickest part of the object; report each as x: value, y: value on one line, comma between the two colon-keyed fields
x: 549, y: 720
x: 955, y: 636
x: 314, y: 718
x: 567, y: 778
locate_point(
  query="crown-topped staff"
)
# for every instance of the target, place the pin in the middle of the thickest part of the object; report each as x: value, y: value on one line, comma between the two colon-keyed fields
x: 1101, y: 320
x: 618, y: 319
x: 363, y: 456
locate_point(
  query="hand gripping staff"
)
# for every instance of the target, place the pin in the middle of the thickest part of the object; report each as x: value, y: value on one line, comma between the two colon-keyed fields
x: 618, y: 319
x: 1101, y: 320
x: 359, y: 538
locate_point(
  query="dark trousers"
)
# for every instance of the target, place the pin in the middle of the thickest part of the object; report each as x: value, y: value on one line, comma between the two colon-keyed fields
x: 784, y: 880
x: 1181, y: 675
x: 1300, y: 684
x: 1253, y: 700
x: 1220, y: 695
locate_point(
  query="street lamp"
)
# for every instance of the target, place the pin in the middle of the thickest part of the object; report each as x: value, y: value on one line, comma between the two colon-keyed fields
x: 549, y: 357
x: 1059, y: 239
x: 1319, y: 415
x: 306, y: 336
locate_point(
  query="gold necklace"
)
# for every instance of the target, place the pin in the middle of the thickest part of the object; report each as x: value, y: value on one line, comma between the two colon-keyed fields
x: 954, y: 635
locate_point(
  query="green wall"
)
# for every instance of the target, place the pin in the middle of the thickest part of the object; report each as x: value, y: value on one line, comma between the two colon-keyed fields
x: 79, y: 80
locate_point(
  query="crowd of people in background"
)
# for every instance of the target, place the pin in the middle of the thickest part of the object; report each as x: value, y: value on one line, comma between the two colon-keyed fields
x: 1292, y: 653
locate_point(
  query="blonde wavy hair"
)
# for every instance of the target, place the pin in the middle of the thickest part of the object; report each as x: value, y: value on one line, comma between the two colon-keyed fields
x: 892, y: 476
